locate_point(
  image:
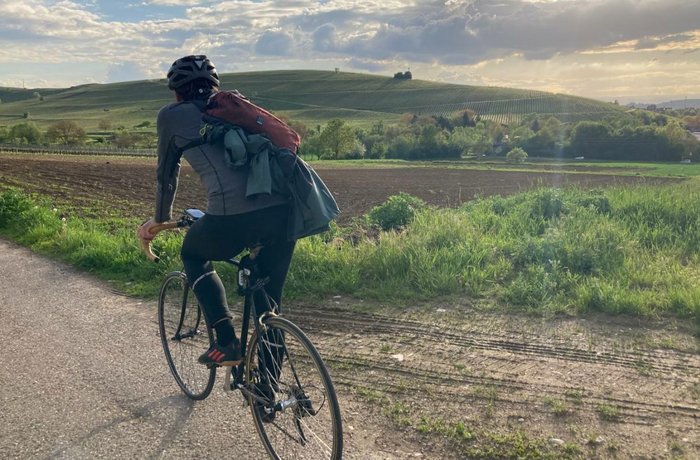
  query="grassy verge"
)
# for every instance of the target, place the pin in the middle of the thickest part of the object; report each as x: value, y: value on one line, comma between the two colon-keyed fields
x: 633, y: 250
x: 543, y: 165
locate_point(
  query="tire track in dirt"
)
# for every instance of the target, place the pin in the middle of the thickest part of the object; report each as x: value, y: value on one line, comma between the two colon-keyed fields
x: 375, y: 324
x: 500, y: 368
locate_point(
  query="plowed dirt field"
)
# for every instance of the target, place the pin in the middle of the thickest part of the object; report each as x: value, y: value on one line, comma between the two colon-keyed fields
x: 128, y: 184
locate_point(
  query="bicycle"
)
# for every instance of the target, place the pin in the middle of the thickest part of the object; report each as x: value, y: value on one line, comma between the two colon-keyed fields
x: 282, y: 376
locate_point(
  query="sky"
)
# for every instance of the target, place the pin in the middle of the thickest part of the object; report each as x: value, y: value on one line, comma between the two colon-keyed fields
x: 625, y: 50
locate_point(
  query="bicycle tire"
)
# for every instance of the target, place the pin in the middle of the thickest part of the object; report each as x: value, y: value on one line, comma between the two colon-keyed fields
x: 181, y: 324
x: 310, y: 424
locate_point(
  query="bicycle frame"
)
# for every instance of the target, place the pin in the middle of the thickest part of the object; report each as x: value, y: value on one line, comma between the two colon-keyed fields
x: 252, y: 285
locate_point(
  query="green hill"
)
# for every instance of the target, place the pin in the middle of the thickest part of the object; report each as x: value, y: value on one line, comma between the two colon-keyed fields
x: 308, y: 96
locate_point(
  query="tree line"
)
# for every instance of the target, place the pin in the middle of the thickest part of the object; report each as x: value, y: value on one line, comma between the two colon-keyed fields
x: 68, y: 132
x: 641, y: 135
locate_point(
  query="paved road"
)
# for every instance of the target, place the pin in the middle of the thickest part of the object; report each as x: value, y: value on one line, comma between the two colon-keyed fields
x: 82, y: 375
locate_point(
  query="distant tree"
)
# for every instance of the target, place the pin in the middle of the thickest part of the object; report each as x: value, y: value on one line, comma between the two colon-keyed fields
x: 25, y: 115
x: 25, y: 133
x: 338, y: 139
x: 471, y: 141
x: 542, y: 143
x: 104, y: 124
x: 591, y: 139
x: 516, y: 155
x: 402, y: 146
x: 403, y: 75
x: 311, y: 145
x: 147, y: 140
x: 378, y: 150
x: 408, y: 118
x: 378, y: 128
x: 444, y: 123
x: 66, y: 132
x: 466, y: 117
x: 124, y: 140
x: 4, y: 133
x: 429, y: 142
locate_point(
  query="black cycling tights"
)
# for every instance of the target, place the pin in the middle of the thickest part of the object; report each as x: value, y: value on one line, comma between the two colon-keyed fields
x: 223, y: 237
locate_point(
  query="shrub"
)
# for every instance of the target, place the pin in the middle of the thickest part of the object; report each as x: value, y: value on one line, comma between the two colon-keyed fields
x: 516, y: 155
x: 66, y: 132
x: 25, y: 133
x: 398, y: 211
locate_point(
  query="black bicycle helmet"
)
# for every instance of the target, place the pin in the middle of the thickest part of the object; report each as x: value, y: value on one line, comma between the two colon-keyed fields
x: 190, y: 68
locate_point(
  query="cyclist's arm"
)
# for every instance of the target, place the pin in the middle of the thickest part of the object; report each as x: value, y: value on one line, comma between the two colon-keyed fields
x: 168, y: 170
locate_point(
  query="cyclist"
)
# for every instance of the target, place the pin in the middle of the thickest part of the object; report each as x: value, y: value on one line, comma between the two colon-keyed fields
x: 231, y: 223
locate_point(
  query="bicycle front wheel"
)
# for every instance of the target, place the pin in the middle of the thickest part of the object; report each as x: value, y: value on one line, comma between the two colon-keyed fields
x: 294, y: 406
x: 184, y: 335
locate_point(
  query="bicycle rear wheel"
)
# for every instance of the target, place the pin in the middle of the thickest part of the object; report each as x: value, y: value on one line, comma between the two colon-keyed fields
x: 295, y: 407
x: 184, y: 335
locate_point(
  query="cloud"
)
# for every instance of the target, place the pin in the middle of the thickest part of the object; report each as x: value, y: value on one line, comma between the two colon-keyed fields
x: 176, y: 2
x: 372, y: 66
x: 274, y: 43
x: 126, y: 71
x: 655, y: 42
x: 323, y: 38
x: 469, y: 32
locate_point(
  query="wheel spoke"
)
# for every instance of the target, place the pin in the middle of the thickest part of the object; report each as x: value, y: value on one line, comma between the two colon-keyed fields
x: 184, y: 335
x: 306, y: 420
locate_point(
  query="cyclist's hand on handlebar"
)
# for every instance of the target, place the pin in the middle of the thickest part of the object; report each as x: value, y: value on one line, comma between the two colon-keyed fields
x: 144, y: 231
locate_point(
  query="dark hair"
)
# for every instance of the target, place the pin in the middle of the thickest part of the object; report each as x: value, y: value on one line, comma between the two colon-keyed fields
x: 197, y: 90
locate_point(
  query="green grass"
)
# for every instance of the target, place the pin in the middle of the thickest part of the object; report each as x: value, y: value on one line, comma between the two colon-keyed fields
x: 556, y: 406
x: 472, y: 442
x: 633, y: 250
x: 623, y: 250
x: 645, y: 169
x: 608, y: 412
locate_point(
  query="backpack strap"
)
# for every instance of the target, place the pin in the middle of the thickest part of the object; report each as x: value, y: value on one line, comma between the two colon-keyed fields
x: 202, y: 106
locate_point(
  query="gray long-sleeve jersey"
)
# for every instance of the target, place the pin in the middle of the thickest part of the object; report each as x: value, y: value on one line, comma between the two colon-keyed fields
x: 177, y: 125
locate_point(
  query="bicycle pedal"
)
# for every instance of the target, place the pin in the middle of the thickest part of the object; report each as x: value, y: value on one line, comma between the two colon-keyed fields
x: 227, y: 378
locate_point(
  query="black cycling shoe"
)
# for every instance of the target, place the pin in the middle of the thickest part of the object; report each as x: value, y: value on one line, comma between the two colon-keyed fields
x: 217, y: 355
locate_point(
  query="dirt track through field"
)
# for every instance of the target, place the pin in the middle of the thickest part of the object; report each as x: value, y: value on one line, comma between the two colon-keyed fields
x: 509, y: 373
